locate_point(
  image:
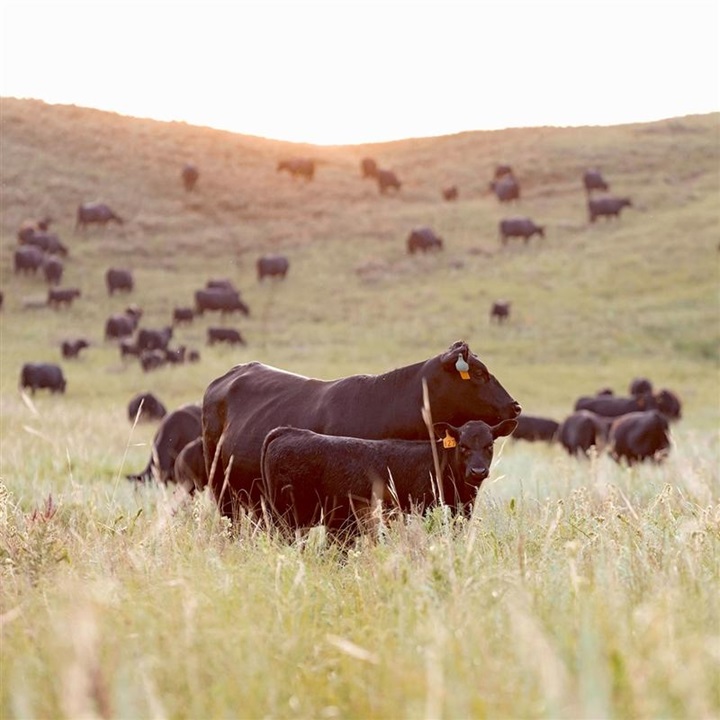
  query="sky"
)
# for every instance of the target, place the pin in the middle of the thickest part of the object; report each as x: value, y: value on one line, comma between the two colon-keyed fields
x: 350, y: 72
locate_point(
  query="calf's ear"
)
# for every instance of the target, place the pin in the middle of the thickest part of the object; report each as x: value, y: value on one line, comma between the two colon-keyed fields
x: 447, y: 433
x: 506, y: 427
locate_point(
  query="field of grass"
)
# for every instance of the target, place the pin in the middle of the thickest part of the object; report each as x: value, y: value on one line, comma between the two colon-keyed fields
x: 578, y: 588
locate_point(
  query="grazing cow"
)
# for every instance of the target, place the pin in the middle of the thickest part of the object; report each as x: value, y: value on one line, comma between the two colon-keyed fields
x: 221, y: 284
x: 640, y: 386
x: 581, y: 430
x: 175, y: 356
x: 152, y: 360
x: 183, y: 315
x: 28, y: 259
x: 243, y: 405
x: 226, y: 335
x: 310, y: 479
x: 176, y: 430
x: 148, y: 339
x: 28, y: 228
x: 190, y: 175
x: 119, y: 279
x: 47, y: 242
x: 272, y: 266
x: 387, y: 179
x: 298, y: 167
x: 500, y: 311
x: 506, y: 189
x: 193, y: 356
x: 519, y: 227
x: 368, y: 168
x: 423, y: 239
x: 450, y: 193
x: 534, y: 428
x: 62, y: 296
x: 593, y: 180
x: 638, y: 436
x: 146, y: 407
x: 613, y: 405
x: 72, y: 348
x: 121, y: 325
x: 95, y: 213
x: 189, y: 470
x: 608, y: 207
x: 225, y: 301
x: 42, y: 375
x: 128, y: 348
x: 53, y: 270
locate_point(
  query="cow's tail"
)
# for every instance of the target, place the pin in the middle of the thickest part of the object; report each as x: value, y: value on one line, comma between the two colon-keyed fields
x: 144, y: 476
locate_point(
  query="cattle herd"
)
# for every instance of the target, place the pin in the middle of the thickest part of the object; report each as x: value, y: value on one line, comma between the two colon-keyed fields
x: 285, y: 446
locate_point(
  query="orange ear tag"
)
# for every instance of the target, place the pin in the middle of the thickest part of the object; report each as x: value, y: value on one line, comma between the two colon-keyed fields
x: 462, y: 367
x: 448, y: 440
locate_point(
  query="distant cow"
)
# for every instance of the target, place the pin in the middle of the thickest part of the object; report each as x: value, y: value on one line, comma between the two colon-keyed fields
x: 121, y: 325
x: 272, y: 266
x: 422, y: 239
x: 127, y: 347
x: 118, y: 279
x: 225, y: 335
x: 519, y: 227
x: 614, y: 405
x: 53, y: 270
x: 607, y: 207
x: 176, y: 430
x: 72, y: 348
x: 176, y: 356
x: 47, y: 242
x: 502, y: 171
x: 639, y: 436
x: 582, y: 430
x: 183, y: 315
x: 152, y: 359
x: 42, y: 375
x: 640, y: 386
x: 298, y: 167
x: 151, y: 339
x: 148, y: 406
x: 593, y: 180
x: 221, y: 284
x: 506, y: 189
x: 450, y: 193
x: 534, y: 428
x: 368, y: 167
x: 310, y: 479
x: 223, y: 300
x: 189, y: 469
x: 190, y: 175
x: 387, y: 179
x: 62, y: 296
x: 500, y: 310
x: 28, y: 259
x: 95, y: 213
x: 28, y: 228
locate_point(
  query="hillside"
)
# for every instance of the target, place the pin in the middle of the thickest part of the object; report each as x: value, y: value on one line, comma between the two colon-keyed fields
x: 593, y: 304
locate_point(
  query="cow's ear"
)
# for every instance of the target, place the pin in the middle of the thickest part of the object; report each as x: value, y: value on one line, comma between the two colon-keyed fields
x: 506, y: 427
x: 449, y: 435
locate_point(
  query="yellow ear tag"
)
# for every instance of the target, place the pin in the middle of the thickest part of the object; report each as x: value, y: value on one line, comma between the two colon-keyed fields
x: 448, y: 440
x: 462, y: 367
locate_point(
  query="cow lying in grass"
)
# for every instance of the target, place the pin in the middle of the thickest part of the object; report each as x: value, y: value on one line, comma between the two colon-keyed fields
x: 311, y: 479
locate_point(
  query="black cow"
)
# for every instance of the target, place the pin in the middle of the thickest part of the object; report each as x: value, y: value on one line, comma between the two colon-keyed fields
x: 151, y: 339
x: 146, y: 407
x: 501, y: 171
x: 593, y: 180
x: 118, y: 279
x: 506, y: 189
x: 53, y: 270
x: 175, y: 356
x: 225, y: 301
x: 500, y: 311
x: 176, y: 430
x: 310, y: 479
x: 387, y: 179
x: 272, y: 266
x: 368, y: 168
x: 581, y: 430
x: 608, y: 207
x: 128, y: 347
x: 47, y: 242
x: 189, y: 470
x: 668, y: 403
x: 244, y: 404
x: 190, y: 176
x: 152, y: 359
x: 613, y: 405
x: 95, y: 213
x: 57, y: 297
x: 534, y: 428
x: 423, y: 239
x: 225, y: 335
x: 640, y: 386
x: 519, y: 227
x: 42, y: 375
x: 72, y: 348
x: 183, y: 315
x: 28, y: 259
x: 28, y: 228
x: 221, y: 284
x: 298, y: 167
x: 450, y: 193
x: 639, y: 436
x: 121, y: 325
